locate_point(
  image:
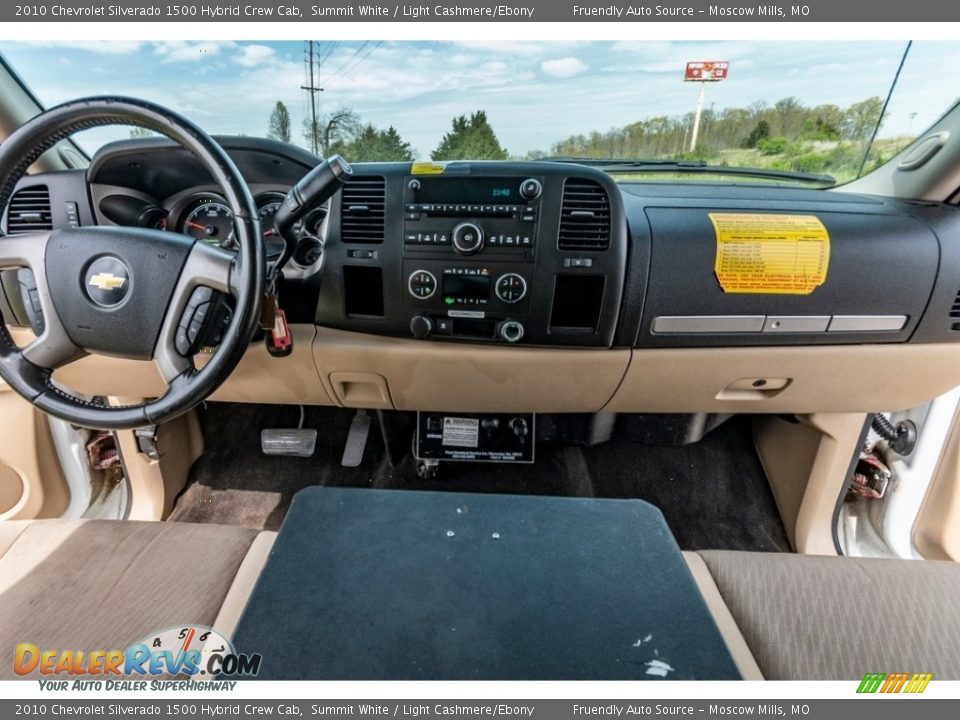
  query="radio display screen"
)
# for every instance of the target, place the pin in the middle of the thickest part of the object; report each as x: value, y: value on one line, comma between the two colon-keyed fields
x: 466, y: 287
x: 470, y: 190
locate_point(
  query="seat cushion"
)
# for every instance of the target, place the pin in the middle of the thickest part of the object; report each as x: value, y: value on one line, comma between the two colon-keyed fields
x: 97, y: 584
x: 828, y: 618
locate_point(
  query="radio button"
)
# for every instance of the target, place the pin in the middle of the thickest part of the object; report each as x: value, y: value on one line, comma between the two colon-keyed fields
x: 422, y: 284
x: 467, y: 238
x: 531, y: 189
x: 511, y: 288
x: 442, y: 239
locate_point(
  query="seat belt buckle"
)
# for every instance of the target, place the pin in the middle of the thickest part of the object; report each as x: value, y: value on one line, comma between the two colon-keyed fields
x: 279, y: 340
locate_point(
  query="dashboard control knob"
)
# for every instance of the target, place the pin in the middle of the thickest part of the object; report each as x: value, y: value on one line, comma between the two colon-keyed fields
x: 414, y: 184
x: 422, y: 284
x: 530, y: 189
x: 511, y: 288
x: 467, y: 238
x: 510, y: 330
x: 421, y: 326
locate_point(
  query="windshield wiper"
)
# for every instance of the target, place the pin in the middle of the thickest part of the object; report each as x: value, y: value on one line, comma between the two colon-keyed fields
x: 620, y: 165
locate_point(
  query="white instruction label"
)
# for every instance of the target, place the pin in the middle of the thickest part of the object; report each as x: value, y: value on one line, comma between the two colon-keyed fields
x: 461, y: 432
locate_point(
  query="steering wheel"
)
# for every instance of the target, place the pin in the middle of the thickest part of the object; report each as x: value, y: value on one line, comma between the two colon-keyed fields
x: 125, y: 292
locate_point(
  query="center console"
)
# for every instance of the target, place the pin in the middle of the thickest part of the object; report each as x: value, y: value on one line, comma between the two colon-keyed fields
x: 528, y: 253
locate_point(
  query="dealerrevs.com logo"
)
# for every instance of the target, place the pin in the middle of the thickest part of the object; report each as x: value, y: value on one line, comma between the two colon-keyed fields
x: 191, y: 650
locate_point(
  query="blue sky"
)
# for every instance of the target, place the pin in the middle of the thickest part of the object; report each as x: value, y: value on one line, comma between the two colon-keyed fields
x: 535, y: 93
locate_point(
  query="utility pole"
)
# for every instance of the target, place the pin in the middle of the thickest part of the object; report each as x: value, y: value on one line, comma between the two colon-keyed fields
x: 696, y: 118
x: 312, y: 89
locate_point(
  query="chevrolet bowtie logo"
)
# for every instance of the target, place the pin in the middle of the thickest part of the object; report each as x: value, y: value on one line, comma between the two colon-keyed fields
x: 107, y: 281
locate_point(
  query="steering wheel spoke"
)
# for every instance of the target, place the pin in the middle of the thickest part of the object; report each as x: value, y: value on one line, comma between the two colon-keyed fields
x: 53, y: 347
x: 206, y: 267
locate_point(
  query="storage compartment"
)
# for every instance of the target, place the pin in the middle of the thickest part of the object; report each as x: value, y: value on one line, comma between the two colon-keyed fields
x: 577, y: 302
x: 880, y: 269
x: 363, y: 291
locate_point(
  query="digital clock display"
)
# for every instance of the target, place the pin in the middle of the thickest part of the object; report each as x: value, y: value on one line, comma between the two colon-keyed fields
x: 467, y: 190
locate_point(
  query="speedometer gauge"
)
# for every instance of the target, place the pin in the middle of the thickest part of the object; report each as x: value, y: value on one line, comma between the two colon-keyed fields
x: 267, y: 206
x: 211, y: 221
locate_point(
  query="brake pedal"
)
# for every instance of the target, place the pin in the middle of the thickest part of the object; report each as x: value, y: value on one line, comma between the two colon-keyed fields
x: 356, y: 440
x: 290, y: 442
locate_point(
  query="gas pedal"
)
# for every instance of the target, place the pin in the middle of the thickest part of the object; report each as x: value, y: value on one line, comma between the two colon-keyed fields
x: 356, y: 440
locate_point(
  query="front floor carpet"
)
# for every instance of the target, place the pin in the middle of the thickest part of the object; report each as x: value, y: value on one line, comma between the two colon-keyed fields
x: 713, y: 493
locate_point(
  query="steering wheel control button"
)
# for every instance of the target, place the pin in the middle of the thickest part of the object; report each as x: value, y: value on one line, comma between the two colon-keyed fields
x: 192, y: 321
x: 467, y: 238
x: 107, y: 281
x: 511, y: 288
x: 422, y: 284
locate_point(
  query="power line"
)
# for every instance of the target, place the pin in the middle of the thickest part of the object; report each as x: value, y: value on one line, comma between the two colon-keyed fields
x: 344, y: 70
x: 356, y: 52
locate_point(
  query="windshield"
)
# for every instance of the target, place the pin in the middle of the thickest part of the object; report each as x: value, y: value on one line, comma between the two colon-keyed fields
x: 815, y: 108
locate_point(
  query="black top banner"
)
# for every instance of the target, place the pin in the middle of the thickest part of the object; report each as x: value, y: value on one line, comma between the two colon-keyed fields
x: 316, y: 11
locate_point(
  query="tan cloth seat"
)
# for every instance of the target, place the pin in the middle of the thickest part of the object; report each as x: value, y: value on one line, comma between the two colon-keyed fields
x: 101, y: 585
x: 808, y: 617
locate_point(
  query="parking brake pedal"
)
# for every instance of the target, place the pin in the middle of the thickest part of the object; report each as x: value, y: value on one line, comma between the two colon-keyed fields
x: 290, y: 442
x: 356, y: 440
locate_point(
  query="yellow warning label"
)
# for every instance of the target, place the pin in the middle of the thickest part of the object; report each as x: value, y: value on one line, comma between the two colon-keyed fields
x: 428, y: 168
x: 772, y: 254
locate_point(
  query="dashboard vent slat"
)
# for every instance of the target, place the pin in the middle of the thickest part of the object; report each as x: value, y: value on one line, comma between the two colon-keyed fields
x: 30, y: 211
x: 955, y: 308
x: 363, y: 210
x: 584, y: 216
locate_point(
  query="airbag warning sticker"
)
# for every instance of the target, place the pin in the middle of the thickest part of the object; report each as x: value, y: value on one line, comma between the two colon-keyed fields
x: 771, y: 254
x: 461, y: 432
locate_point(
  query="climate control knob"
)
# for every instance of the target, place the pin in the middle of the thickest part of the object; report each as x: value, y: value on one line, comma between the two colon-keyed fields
x: 422, y: 284
x: 467, y: 238
x: 421, y: 326
x: 510, y: 330
x: 511, y: 288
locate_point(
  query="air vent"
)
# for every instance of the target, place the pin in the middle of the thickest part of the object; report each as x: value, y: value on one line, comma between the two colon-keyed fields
x: 29, y: 211
x: 585, y: 216
x: 955, y: 308
x: 362, y: 210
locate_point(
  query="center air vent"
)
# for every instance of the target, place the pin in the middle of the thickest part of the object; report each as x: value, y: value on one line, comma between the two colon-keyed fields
x: 362, y: 215
x: 585, y: 216
x: 30, y: 211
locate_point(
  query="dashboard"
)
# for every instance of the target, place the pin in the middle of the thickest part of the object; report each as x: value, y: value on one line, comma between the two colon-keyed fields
x: 511, y: 265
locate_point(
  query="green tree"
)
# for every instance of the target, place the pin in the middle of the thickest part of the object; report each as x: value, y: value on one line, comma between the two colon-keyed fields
x: 279, y: 125
x: 141, y: 132
x: 371, y: 144
x: 336, y: 128
x: 860, y: 119
x: 761, y: 131
x: 470, y: 139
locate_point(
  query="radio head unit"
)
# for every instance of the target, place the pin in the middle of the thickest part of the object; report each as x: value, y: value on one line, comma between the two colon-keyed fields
x: 467, y: 215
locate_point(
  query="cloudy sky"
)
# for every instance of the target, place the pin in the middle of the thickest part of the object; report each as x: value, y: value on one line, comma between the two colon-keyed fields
x: 535, y: 93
